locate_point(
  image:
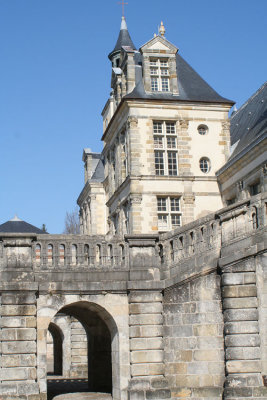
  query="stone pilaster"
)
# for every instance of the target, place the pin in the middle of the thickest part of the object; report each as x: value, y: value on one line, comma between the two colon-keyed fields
x: 146, y: 74
x: 173, y: 75
x: 146, y: 346
x: 188, y: 207
x: 264, y: 178
x: 93, y: 215
x: 18, y: 342
x: 135, y: 214
x: 184, y: 148
x: 242, y: 339
x: 135, y: 145
x: 225, y: 138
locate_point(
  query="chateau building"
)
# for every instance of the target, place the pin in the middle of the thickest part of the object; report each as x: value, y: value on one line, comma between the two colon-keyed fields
x: 165, y: 134
x: 163, y: 295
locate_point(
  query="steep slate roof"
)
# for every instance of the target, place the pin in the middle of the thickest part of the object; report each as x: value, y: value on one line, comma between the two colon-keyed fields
x: 16, y: 225
x: 190, y: 84
x: 98, y: 175
x: 124, y: 39
x: 249, y: 123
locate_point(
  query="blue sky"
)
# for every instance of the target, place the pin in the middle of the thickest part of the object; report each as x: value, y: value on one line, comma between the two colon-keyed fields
x: 55, y: 80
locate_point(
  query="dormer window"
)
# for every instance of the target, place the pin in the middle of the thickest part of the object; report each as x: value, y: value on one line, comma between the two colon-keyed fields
x: 159, y: 75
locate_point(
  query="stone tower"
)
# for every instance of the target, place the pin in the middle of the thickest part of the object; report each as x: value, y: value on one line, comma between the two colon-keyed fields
x: 165, y: 133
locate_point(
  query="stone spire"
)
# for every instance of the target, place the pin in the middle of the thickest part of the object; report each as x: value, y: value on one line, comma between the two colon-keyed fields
x: 124, y: 39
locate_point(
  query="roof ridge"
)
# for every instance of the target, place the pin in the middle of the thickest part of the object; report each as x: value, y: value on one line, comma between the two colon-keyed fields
x: 249, y: 100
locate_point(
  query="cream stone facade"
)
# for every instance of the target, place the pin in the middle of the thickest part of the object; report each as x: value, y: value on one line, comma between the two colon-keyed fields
x: 154, y: 141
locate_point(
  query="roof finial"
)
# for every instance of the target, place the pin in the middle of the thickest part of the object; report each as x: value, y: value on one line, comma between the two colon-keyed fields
x: 16, y: 218
x: 123, y: 3
x: 162, y: 30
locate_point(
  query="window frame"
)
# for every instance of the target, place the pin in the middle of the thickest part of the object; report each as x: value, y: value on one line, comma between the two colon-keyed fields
x: 203, y: 130
x: 159, y: 75
x: 168, y: 214
x: 165, y: 145
x: 205, y: 170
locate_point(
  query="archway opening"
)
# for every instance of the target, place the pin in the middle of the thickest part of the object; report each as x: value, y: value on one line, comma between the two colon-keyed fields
x: 54, y: 350
x: 99, y: 331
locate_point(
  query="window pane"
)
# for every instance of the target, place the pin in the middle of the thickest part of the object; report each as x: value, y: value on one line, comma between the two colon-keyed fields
x: 172, y: 163
x: 154, y: 84
x: 162, y: 222
x: 163, y: 63
x: 165, y: 84
x: 164, y: 71
x: 159, y: 163
x: 157, y: 127
x: 171, y: 142
x: 162, y: 204
x: 170, y: 127
x: 153, y: 71
x: 176, y: 220
x: 153, y: 63
x: 175, y: 204
x: 158, y: 142
x: 202, y: 129
x: 204, y: 165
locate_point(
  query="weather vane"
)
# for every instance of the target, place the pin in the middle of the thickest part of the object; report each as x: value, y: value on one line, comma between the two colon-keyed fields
x: 122, y: 3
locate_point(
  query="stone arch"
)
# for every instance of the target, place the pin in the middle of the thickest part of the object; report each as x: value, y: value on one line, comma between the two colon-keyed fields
x: 111, y: 309
x: 57, y: 336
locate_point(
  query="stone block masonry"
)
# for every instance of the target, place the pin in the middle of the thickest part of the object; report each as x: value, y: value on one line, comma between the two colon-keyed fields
x: 193, y: 338
x: 242, y: 336
x: 180, y: 315
x: 146, y: 346
x: 18, y: 373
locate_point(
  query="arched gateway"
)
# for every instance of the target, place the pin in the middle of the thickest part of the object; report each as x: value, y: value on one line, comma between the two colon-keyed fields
x: 106, y: 333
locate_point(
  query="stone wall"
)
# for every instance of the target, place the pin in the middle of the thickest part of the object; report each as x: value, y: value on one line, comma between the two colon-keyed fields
x: 183, y: 314
x: 193, y: 338
x: 18, y: 341
x: 79, y: 356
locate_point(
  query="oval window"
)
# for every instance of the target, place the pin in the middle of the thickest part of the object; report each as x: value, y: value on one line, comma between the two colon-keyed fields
x: 204, y: 165
x: 202, y: 130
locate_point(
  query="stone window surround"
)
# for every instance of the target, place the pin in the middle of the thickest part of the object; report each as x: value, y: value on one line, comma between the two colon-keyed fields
x: 205, y: 165
x: 159, y: 74
x: 166, y: 153
x: 203, y: 130
x: 168, y: 212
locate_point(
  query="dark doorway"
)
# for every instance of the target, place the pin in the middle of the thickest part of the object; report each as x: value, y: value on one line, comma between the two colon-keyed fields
x: 99, y: 351
x: 57, y: 348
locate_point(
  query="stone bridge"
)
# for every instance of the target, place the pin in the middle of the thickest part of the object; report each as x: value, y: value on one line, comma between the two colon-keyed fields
x: 182, y: 314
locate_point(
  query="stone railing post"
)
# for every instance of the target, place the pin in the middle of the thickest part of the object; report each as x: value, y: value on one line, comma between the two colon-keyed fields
x: 18, y: 341
x: 242, y: 339
x: 146, y: 321
x: 146, y: 346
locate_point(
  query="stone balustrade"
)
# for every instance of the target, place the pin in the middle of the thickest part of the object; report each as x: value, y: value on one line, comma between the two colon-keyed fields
x: 213, y: 231
x: 61, y: 252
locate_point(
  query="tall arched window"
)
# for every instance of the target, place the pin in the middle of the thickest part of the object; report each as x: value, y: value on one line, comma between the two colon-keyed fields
x: 98, y: 254
x: 74, y: 254
x: 110, y: 254
x: 38, y: 254
x: 86, y: 254
x: 50, y: 251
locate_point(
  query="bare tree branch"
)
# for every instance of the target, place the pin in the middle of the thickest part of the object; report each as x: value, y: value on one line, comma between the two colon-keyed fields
x: 72, y: 223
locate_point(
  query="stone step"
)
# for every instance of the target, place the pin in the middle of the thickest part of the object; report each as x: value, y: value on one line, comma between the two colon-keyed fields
x: 83, y: 396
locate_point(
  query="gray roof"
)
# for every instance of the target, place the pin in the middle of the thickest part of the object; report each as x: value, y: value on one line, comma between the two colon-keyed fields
x: 124, y: 39
x: 16, y: 225
x: 98, y: 175
x: 249, y: 123
x: 190, y: 84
